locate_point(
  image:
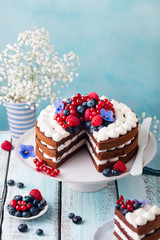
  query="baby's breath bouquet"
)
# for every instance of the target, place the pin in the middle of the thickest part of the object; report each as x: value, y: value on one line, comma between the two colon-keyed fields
x: 31, y: 70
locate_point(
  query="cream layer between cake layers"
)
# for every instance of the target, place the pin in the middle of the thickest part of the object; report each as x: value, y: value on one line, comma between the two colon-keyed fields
x: 57, y: 148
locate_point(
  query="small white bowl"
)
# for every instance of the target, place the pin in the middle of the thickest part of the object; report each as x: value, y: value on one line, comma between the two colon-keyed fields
x: 23, y: 218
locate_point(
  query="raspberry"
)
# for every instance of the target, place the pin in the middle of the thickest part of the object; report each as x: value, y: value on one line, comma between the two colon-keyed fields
x: 87, y: 114
x: 97, y: 121
x: 72, y: 121
x: 36, y: 194
x: 6, y: 145
x: 93, y: 95
x: 120, y: 166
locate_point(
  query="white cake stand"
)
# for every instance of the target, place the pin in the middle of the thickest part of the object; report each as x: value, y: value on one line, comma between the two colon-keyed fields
x: 79, y: 171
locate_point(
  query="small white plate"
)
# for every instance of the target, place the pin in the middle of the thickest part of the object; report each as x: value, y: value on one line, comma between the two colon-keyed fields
x: 105, y: 231
x: 23, y: 218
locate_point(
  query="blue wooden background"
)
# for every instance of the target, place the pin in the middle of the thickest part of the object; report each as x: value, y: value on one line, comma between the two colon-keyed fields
x: 118, y: 43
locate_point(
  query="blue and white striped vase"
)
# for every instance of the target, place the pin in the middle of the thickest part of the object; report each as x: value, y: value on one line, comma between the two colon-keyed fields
x: 20, y: 118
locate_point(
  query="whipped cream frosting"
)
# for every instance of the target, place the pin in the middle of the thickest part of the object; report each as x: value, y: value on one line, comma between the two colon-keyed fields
x: 141, y: 216
x: 125, y: 121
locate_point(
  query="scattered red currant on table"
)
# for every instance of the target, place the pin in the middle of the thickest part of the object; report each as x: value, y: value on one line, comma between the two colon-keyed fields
x: 42, y: 167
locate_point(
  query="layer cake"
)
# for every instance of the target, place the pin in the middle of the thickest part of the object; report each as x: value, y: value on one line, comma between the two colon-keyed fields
x: 108, y: 129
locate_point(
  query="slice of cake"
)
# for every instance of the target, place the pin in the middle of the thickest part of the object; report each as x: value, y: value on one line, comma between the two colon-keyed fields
x: 135, y: 220
x: 108, y: 129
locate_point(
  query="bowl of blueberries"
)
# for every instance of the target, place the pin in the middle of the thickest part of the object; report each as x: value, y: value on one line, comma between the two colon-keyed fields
x: 27, y: 207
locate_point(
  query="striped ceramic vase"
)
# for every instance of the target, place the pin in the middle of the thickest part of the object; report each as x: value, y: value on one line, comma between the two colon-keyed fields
x: 20, y: 118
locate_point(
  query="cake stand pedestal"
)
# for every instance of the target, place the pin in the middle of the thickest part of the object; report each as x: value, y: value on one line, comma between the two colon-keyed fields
x: 84, y: 187
x: 79, y: 171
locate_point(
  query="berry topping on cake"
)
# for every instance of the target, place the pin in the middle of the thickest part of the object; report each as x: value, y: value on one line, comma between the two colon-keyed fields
x: 96, y: 121
x: 84, y: 108
x: 93, y: 95
x: 120, y: 166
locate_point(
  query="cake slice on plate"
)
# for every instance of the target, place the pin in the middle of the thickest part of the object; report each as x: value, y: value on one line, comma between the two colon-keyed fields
x: 135, y: 220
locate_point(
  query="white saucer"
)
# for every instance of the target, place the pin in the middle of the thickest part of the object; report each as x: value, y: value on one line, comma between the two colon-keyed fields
x: 79, y: 170
x: 23, y: 218
x: 105, y: 231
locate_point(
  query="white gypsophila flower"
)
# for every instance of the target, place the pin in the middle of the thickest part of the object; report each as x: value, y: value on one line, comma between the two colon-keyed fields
x: 30, y: 69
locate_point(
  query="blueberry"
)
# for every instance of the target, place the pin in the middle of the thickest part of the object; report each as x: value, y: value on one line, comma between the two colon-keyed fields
x: 116, y: 172
x: 81, y: 109
x: 11, y: 182
x: 102, y: 126
x: 18, y: 198
x: 39, y: 232
x: 66, y: 112
x: 68, y: 101
x: 87, y: 124
x: 8, y: 206
x: 35, y: 203
x: 125, y: 211
x: 84, y: 104
x: 18, y: 214
x: 12, y: 211
x: 69, y: 129
x: 40, y: 206
x: 71, y: 215
x: 23, y: 227
x: 118, y: 206
x: 92, y: 128
x: 136, y: 205
x: 26, y: 214
x: 34, y: 211
x: 77, y: 219
x: 107, y: 172
x: 76, y: 129
x: 26, y: 199
x: 43, y: 202
x: 20, y: 185
x: 91, y: 103
x: 31, y: 198
x: 106, y: 123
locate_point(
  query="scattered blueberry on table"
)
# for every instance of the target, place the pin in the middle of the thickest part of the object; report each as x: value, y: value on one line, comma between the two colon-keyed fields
x: 39, y: 232
x: 11, y: 182
x: 20, y: 185
x: 23, y: 227
x: 75, y: 219
x: 71, y: 215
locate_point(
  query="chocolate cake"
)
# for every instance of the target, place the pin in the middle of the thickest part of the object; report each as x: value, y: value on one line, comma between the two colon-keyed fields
x: 135, y: 220
x: 108, y: 129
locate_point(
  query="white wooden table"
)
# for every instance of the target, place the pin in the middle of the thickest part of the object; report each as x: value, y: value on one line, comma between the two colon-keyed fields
x: 94, y: 208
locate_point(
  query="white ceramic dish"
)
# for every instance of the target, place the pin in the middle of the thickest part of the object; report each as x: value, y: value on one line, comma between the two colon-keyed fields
x: 23, y: 218
x: 105, y: 231
x: 79, y: 170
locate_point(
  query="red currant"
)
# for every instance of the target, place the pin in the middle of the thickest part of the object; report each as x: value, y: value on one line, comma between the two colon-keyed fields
x: 23, y: 208
x: 123, y: 206
x: 98, y: 107
x: 35, y: 160
x: 44, y: 169
x: 74, y: 98
x: 48, y: 171
x: 53, y: 174
x: 83, y: 98
x: 79, y: 101
x: 64, y: 126
x: 88, y: 98
x: 105, y: 100
x: 121, y: 197
x: 94, y: 114
x: 41, y: 168
x: 57, y: 171
x: 81, y: 119
x: 18, y: 208
x: 90, y: 117
x: 133, y: 202
x: 78, y: 95
x: 64, y: 103
x: 29, y: 206
x: 13, y: 203
x: 52, y: 168
x: 37, y: 169
x: 64, y: 117
x: 69, y: 124
x: 98, y: 111
x: 74, y: 103
x: 73, y: 112
x: 19, y: 202
x: 118, y: 202
x: 130, y: 207
x: 23, y: 202
x: 59, y: 119
x: 128, y: 202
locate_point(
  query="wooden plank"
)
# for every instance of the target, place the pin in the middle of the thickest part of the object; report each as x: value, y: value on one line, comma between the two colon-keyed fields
x: 94, y: 208
x: 3, y: 166
x: 48, y: 188
x: 140, y: 187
